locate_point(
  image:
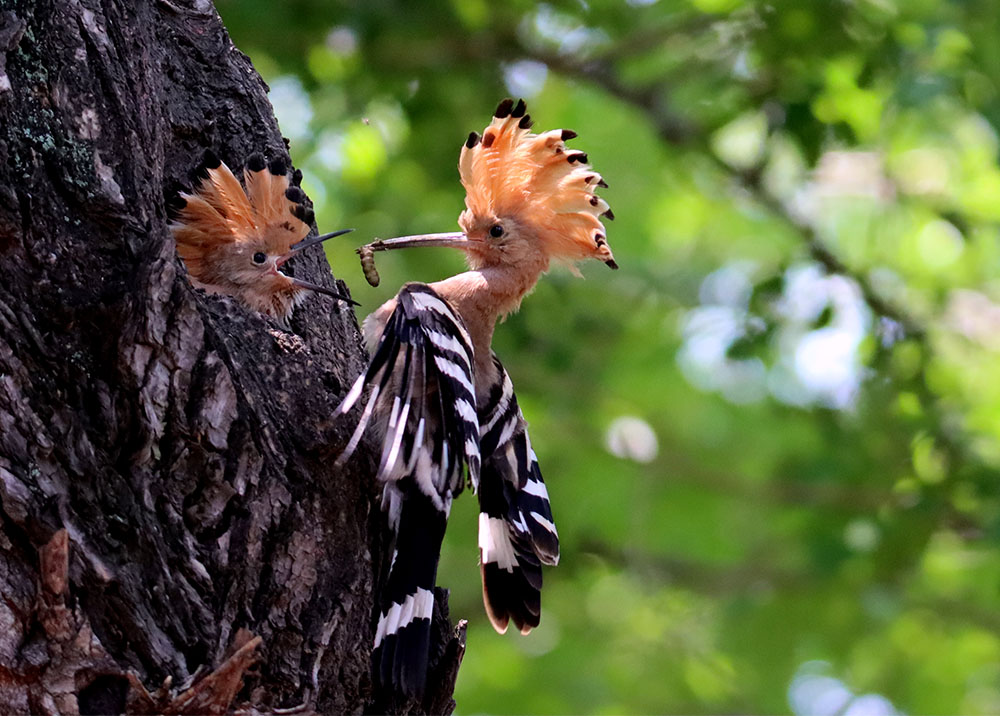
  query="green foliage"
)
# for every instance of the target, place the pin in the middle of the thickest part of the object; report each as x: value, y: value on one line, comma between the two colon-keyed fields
x: 771, y: 439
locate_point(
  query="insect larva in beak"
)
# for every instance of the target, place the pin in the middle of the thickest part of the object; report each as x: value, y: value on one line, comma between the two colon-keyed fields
x: 367, y: 255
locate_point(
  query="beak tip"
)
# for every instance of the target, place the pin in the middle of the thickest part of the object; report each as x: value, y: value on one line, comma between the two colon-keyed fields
x: 312, y: 241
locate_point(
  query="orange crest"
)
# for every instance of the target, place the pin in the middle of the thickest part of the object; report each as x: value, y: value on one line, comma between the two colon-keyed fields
x: 510, y: 171
x: 220, y: 213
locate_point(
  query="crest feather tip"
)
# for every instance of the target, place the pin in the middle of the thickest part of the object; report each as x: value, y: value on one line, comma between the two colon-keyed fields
x: 306, y: 216
x: 210, y: 160
x: 278, y: 167
x: 255, y: 162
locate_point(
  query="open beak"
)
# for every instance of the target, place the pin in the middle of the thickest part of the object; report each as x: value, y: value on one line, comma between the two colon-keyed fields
x: 455, y: 239
x: 306, y: 243
x: 321, y: 289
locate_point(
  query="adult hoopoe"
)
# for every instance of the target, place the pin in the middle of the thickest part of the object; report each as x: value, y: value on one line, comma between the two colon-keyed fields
x: 442, y: 399
x: 235, y: 242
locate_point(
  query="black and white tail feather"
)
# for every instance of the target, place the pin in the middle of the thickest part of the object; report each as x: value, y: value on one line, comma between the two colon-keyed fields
x: 516, y: 531
x: 423, y: 395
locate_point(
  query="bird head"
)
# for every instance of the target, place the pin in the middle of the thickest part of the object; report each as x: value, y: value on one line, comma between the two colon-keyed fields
x: 529, y: 199
x: 235, y: 241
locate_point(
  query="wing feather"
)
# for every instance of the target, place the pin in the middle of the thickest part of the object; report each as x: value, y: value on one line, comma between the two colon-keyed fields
x: 517, y: 533
x: 422, y: 370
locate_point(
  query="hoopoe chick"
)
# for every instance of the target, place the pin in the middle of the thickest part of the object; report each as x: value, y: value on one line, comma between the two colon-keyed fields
x: 235, y: 242
x: 443, y: 402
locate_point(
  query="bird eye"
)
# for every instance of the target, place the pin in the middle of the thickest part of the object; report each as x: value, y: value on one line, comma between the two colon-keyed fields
x: 259, y: 258
x: 496, y: 231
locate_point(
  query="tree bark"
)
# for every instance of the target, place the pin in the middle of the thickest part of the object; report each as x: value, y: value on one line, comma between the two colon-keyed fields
x: 175, y: 536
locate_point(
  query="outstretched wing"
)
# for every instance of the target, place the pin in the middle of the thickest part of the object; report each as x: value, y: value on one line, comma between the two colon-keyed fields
x: 516, y: 531
x: 423, y: 397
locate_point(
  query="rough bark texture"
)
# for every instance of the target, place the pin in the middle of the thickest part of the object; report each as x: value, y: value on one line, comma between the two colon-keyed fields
x: 170, y: 511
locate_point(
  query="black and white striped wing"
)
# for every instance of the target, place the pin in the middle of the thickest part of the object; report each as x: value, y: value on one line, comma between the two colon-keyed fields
x: 422, y: 391
x: 517, y: 533
x: 423, y: 397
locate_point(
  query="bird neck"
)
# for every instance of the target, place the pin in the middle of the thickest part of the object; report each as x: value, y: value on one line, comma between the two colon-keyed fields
x: 482, y: 296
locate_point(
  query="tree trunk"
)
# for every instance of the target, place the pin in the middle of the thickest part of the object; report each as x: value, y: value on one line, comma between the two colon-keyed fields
x: 171, y: 514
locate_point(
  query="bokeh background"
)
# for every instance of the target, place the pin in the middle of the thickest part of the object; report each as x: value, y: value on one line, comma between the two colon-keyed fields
x: 772, y: 438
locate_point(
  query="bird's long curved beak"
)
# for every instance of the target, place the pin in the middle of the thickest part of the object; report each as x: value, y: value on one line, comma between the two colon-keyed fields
x: 321, y: 289
x: 306, y: 243
x: 454, y: 239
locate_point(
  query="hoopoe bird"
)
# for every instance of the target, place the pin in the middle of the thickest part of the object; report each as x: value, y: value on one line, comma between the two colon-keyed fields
x: 441, y: 400
x: 235, y: 242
